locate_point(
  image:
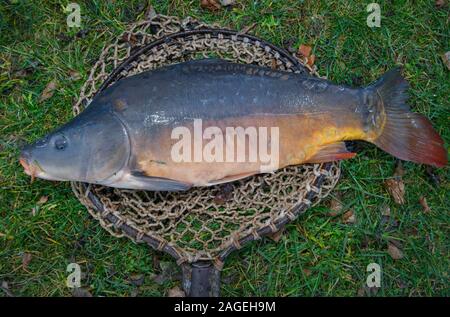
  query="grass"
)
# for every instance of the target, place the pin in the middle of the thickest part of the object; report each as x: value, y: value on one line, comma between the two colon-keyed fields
x: 319, y: 255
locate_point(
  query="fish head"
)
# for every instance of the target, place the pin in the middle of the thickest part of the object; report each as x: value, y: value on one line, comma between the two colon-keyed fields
x: 87, y: 149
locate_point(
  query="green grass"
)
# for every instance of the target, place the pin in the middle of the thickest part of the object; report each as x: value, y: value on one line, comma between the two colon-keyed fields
x: 319, y: 255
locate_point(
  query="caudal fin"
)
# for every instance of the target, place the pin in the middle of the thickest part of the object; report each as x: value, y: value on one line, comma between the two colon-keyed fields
x: 406, y: 135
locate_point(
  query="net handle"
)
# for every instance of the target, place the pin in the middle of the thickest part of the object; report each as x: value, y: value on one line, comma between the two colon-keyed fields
x: 201, y: 279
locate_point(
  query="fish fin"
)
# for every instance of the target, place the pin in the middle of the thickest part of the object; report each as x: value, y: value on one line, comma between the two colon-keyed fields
x: 231, y: 178
x: 139, y: 180
x: 406, y: 135
x: 331, y: 152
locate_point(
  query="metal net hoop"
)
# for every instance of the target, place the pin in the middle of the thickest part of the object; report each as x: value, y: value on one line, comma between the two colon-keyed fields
x: 202, y: 224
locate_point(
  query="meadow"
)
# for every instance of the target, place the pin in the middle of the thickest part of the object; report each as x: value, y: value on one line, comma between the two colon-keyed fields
x: 325, y: 252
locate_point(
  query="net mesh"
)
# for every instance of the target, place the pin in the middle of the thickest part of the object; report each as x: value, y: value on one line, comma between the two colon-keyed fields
x: 202, y: 223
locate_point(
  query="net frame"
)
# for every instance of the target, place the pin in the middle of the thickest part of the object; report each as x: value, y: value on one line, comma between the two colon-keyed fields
x: 165, y: 40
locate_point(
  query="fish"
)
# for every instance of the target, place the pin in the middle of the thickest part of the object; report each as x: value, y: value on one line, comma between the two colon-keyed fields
x: 167, y: 129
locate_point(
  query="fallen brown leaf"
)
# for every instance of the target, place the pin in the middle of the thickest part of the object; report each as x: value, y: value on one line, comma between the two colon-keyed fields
x: 307, y: 272
x: 42, y: 200
x: 349, y: 217
x: 424, y: 204
x: 211, y: 5
x: 48, y: 91
x: 304, y: 50
x: 396, y: 189
x: 74, y: 75
x: 440, y: 4
x: 137, y: 279
x: 247, y: 29
x: 311, y: 60
x: 446, y: 59
x: 276, y: 236
x: 176, y: 292
x: 26, y: 259
x: 129, y: 38
x: 273, y: 64
x: 335, y: 205
x: 394, y: 251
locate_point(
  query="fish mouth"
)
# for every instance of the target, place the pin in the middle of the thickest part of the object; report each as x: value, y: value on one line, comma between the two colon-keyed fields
x: 32, y: 170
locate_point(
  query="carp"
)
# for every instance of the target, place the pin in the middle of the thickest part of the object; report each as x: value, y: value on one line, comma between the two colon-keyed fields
x: 167, y: 129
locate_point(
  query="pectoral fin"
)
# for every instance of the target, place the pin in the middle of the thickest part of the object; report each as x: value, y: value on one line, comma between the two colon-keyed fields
x: 139, y: 180
x: 331, y: 152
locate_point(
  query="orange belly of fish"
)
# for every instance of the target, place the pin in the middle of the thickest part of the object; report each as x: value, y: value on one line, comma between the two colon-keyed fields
x: 299, y: 138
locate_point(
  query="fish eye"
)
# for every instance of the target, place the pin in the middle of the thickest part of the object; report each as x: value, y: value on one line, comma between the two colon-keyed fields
x: 60, y: 143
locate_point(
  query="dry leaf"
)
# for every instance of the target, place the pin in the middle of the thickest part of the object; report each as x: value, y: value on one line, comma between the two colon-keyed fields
x: 304, y: 50
x: 48, y: 91
x: 311, y: 60
x: 26, y: 259
x: 137, y: 279
x: 440, y: 4
x: 307, y: 272
x: 335, y: 206
x: 176, y: 292
x: 211, y: 5
x: 424, y: 204
x: 33, y: 211
x: 394, y: 251
x: 42, y: 200
x: 129, y: 38
x: 276, y: 236
x: 74, y: 75
x: 396, y: 189
x: 446, y: 59
x: 273, y: 64
x: 349, y: 217
x: 247, y: 29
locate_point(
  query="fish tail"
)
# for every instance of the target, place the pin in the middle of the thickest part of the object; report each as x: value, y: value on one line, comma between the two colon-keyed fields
x: 404, y: 134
